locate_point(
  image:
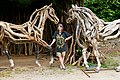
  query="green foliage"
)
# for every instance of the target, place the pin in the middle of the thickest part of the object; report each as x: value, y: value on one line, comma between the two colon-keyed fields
x: 91, y: 64
x: 79, y: 51
x: 107, y: 10
x: 110, y: 62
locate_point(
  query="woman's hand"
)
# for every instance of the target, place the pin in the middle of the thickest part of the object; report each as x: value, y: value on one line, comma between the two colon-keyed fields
x: 68, y: 38
x: 53, y: 42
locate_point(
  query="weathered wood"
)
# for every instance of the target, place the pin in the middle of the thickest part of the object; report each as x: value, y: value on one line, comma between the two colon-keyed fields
x: 25, y: 49
x: 89, y: 31
x: 30, y: 48
x: 72, y: 58
x: 1, y: 49
x: 30, y: 31
x: 70, y: 51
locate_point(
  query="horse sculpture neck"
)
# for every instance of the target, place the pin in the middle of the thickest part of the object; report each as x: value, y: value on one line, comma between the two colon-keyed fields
x: 40, y: 16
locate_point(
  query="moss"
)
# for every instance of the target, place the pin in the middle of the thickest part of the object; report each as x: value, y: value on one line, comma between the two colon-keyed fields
x: 112, y: 60
x: 5, y: 74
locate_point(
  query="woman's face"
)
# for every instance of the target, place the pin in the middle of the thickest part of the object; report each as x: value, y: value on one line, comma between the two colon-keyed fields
x: 60, y: 28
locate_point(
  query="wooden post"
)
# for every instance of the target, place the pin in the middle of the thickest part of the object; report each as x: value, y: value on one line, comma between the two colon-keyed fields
x: 82, y: 3
x: 20, y: 49
x: 30, y: 48
x: 14, y: 49
x: 25, y: 49
x: 1, y: 49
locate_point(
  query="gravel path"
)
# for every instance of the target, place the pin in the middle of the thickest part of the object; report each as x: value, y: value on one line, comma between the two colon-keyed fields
x: 26, y: 69
x: 72, y: 73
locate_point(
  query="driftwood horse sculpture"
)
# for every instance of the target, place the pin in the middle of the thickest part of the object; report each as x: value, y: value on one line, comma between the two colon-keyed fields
x: 31, y: 31
x: 90, y: 29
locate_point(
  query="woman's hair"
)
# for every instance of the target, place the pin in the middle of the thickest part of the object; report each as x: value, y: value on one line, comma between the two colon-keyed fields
x: 61, y: 25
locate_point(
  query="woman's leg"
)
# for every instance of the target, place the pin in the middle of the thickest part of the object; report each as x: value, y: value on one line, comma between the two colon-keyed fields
x: 60, y: 59
x: 63, y: 58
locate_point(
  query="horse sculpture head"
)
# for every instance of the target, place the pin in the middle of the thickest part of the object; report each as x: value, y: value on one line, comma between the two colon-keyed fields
x: 71, y: 15
x: 51, y: 14
x: 86, y: 18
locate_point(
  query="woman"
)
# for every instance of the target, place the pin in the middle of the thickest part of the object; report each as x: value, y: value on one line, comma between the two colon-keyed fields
x: 60, y: 37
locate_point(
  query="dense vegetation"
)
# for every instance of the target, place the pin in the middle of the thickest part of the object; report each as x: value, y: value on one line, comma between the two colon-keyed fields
x: 108, y: 10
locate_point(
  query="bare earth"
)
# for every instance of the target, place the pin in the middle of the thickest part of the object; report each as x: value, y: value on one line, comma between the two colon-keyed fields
x: 26, y: 69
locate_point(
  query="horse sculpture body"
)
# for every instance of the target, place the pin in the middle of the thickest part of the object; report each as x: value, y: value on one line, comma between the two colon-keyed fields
x: 89, y: 30
x: 30, y: 31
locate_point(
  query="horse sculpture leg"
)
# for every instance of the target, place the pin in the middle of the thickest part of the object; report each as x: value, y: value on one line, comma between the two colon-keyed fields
x: 117, y: 69
x: 37, y: 56
x: 85, y: 58
x: 97, y: 54
x: 9, y: 57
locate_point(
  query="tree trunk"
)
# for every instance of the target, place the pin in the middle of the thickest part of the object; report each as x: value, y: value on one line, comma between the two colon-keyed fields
x: 25, y: 48
x: 30, y: 48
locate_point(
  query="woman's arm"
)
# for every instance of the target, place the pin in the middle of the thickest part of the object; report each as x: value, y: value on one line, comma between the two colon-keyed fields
x: 68, y: 38
x: 53, y: 42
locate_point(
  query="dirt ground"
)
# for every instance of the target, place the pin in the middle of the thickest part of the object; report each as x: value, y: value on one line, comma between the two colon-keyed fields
x: 26, y: 69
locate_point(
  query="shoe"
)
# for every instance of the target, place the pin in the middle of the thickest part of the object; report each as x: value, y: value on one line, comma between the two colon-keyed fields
x: 60, y: 67
x: 64, y: 68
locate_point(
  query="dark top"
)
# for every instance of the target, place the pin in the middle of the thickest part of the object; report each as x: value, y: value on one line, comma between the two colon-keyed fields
x: 60, y: 40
